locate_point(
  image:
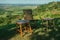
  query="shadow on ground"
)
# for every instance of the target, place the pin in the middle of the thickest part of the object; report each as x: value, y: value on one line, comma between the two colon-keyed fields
x: 54, y: 34
x: 7, y: 31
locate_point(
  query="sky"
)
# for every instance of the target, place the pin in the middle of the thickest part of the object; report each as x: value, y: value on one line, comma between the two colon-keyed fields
x: 26, y: 1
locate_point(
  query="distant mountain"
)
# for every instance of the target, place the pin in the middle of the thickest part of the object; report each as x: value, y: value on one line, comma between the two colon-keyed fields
x: 19, y: 4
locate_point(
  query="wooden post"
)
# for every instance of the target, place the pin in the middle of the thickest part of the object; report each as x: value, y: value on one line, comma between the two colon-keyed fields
x: 54, y: 24
x: 30, y: 29
x: 25, y: 29
x: 21, y: 33
x: 47, y: 25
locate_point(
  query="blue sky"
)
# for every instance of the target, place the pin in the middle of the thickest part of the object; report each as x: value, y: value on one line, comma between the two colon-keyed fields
x: 26, y: 1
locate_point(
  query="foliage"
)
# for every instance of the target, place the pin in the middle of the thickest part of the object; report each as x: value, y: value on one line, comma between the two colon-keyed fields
x: 7, y: 29
x: 2, y: 20
x: 48, y: 10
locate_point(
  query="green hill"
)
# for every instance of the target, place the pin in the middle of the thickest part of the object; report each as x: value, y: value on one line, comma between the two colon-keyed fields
x: 51, y: 9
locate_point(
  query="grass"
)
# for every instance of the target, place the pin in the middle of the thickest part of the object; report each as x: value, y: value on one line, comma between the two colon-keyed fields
x: 8, y: 32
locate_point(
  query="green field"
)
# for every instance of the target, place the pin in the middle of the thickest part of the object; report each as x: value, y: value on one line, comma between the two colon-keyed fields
x: 8, y: 18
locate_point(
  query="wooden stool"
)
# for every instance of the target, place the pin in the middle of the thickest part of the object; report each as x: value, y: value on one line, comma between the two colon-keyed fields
x: 47, y: 22
x: 20, y: 22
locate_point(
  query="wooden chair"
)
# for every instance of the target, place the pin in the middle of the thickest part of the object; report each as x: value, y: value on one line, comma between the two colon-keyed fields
x: 20, y: 23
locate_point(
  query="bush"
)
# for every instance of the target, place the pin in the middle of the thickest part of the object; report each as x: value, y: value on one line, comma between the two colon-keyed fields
x: 2, y: 20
